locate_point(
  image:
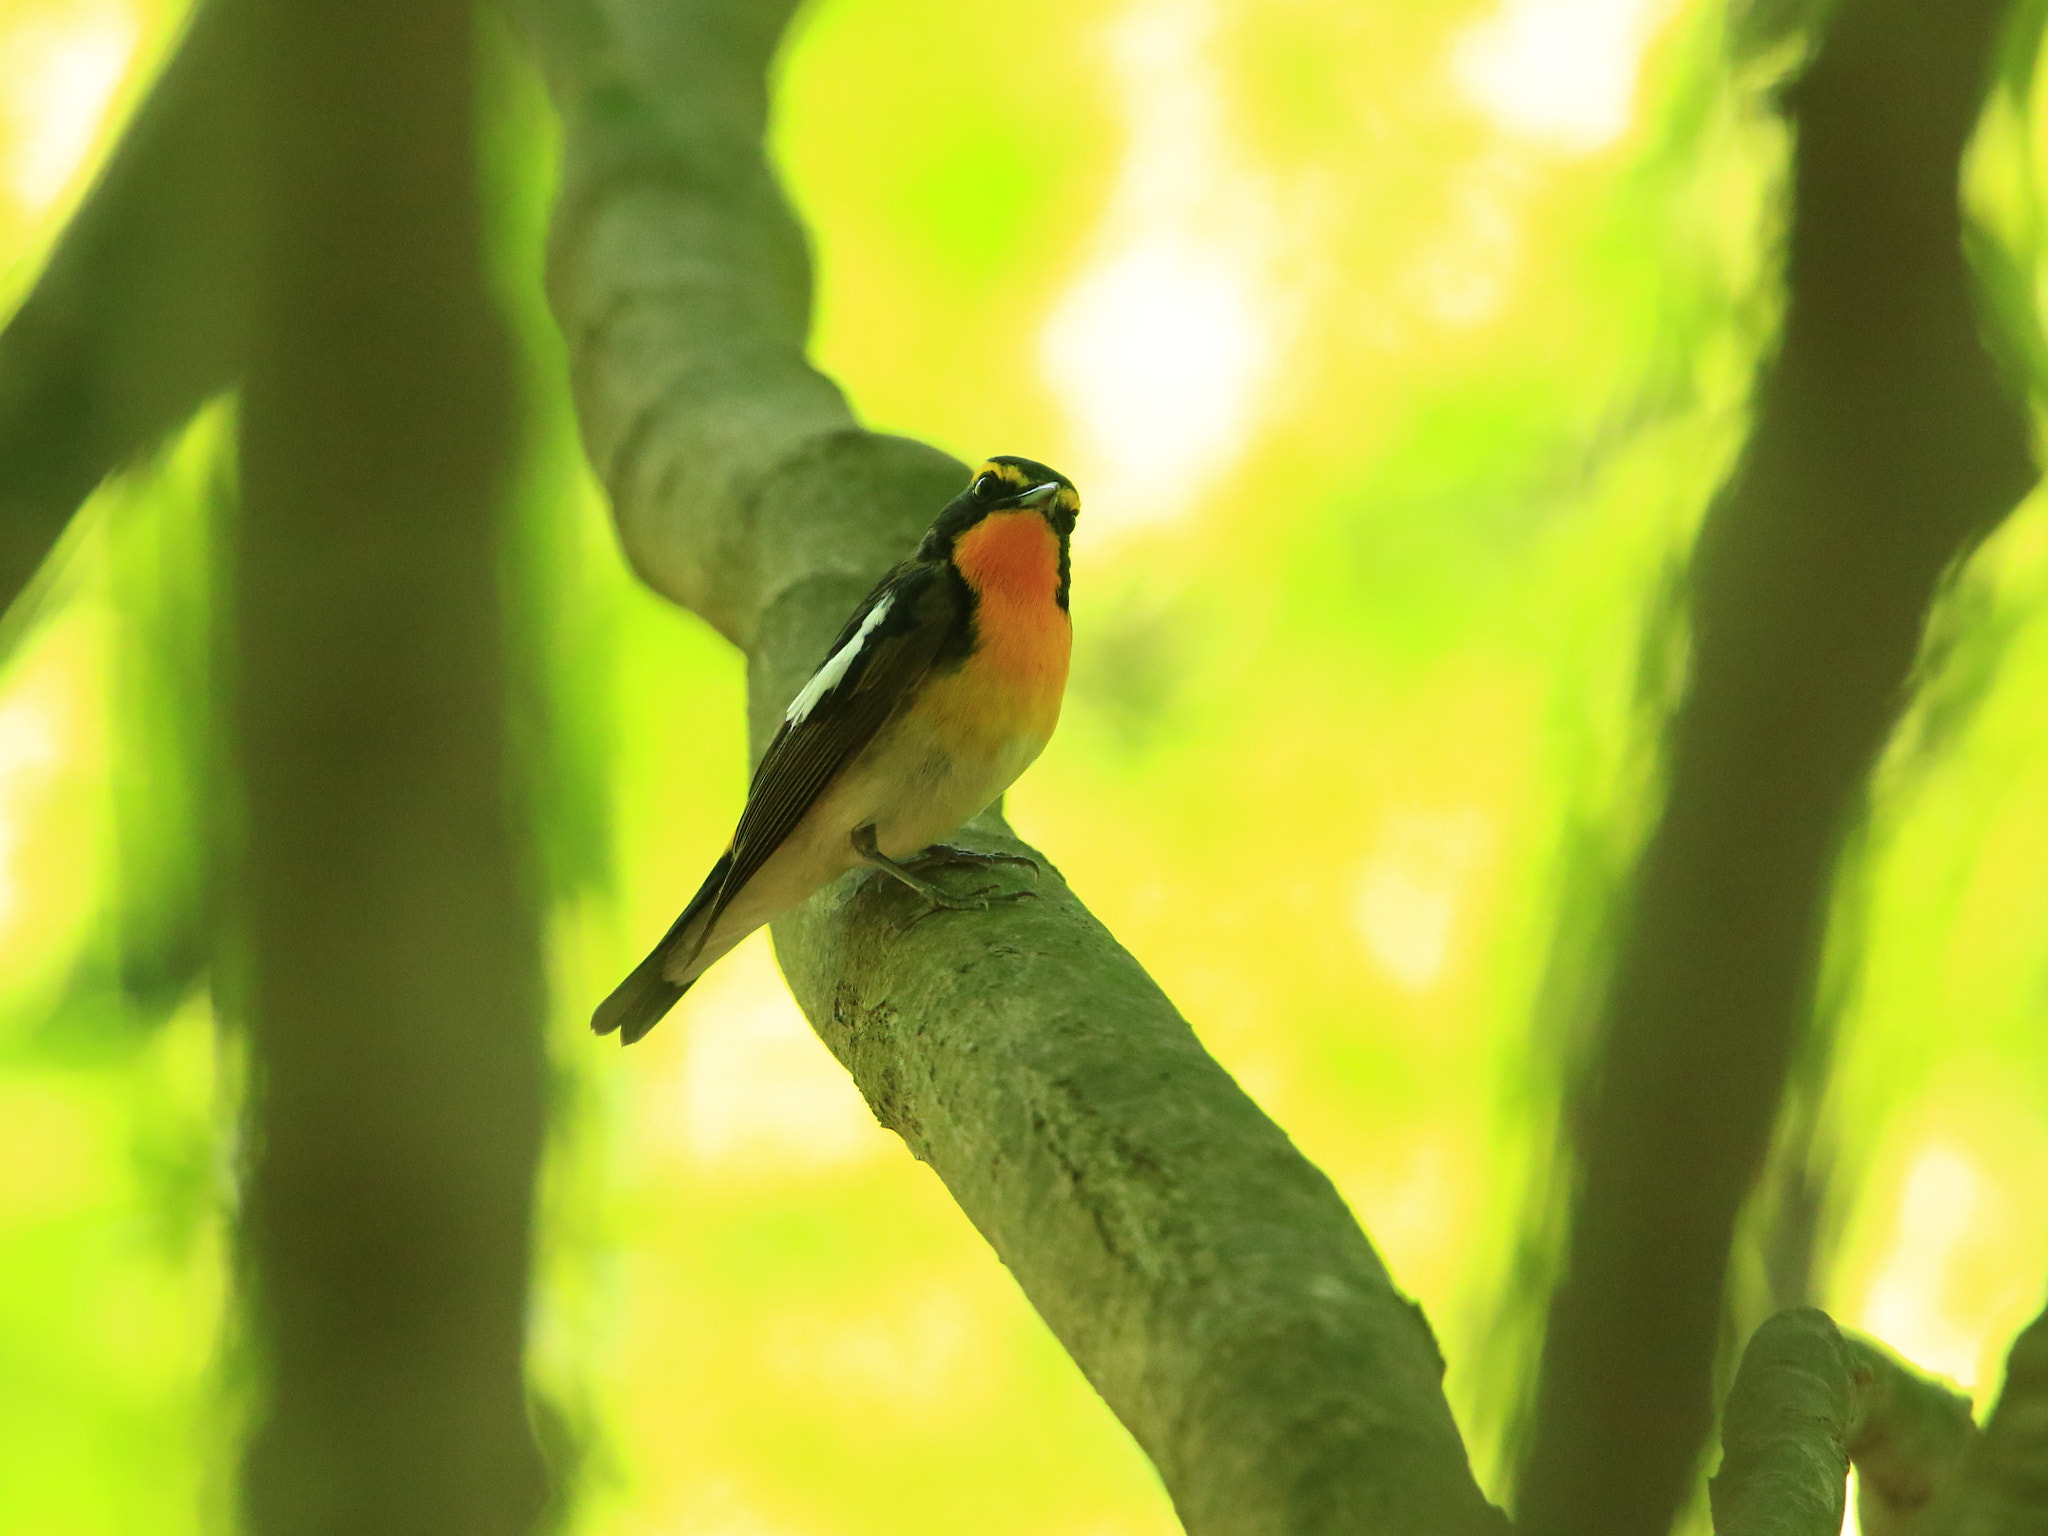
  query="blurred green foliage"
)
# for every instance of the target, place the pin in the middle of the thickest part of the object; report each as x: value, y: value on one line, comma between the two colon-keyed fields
x: 1396, y: 348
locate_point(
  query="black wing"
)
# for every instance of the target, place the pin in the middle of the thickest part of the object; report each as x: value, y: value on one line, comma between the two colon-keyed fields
x: 926, y: 620
x: 889, y: 662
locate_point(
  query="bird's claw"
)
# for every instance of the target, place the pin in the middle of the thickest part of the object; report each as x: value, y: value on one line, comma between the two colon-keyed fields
x: 936, y: 897
x: 945, y: 901
x: 952, y: 853
x: 979, y: 900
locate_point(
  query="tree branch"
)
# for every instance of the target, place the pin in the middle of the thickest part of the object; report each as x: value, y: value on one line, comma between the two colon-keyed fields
x: 141, y: 314
x: 1808, y: 1401
x: 1909, y: 1441
x: 1884, y: 448
x: 2001, y: 1486
x: 1207, y: 1278
x: 1784, y: 1432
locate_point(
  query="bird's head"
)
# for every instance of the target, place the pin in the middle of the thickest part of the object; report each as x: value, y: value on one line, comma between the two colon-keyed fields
x: 985, y: 529
x: 1008, y: 484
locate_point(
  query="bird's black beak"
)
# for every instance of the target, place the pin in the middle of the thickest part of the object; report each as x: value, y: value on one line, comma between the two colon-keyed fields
x: 1038, y: 495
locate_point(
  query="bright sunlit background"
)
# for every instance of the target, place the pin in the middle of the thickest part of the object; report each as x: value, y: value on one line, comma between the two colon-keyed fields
x: 1396, y: 347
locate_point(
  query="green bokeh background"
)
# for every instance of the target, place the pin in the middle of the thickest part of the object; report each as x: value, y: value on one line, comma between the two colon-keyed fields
x: 1396, y: 347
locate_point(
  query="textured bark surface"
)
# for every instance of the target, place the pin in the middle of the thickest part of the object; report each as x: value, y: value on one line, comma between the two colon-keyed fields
x: 1206, y: 1277
x: 1909, y: 1443
x: 391, y: 926
x: 1885, y: 447
x: 1808, y: 1402
x: 1785, y: 1432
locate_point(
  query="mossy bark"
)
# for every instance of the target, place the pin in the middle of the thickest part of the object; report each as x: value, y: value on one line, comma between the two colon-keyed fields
x: 1785, y: 1431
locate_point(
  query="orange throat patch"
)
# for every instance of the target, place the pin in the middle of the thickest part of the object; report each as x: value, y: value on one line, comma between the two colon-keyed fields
x: 1011, y: 556
x: 1012, y: 561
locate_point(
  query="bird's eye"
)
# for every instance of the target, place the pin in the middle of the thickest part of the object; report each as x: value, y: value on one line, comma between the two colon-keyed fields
x: 987, y: 487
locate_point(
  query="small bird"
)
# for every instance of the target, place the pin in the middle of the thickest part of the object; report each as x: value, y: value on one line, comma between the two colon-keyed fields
x: 941, y: 689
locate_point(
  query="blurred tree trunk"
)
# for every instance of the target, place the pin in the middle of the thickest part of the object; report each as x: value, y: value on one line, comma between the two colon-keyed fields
x: 393, y: 991
x: 142, y: 311
x: 1885, y: 447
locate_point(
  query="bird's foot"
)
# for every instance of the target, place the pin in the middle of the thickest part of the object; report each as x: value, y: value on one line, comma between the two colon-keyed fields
x: 936, y: 901
x: 938, y: 898
x: 953, y: 853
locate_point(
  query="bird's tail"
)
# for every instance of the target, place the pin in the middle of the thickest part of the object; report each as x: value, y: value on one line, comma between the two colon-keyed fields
x: 640, y: 1002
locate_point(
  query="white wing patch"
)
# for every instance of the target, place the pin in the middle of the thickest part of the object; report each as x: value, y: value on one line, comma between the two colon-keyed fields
x: 827, y: 677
